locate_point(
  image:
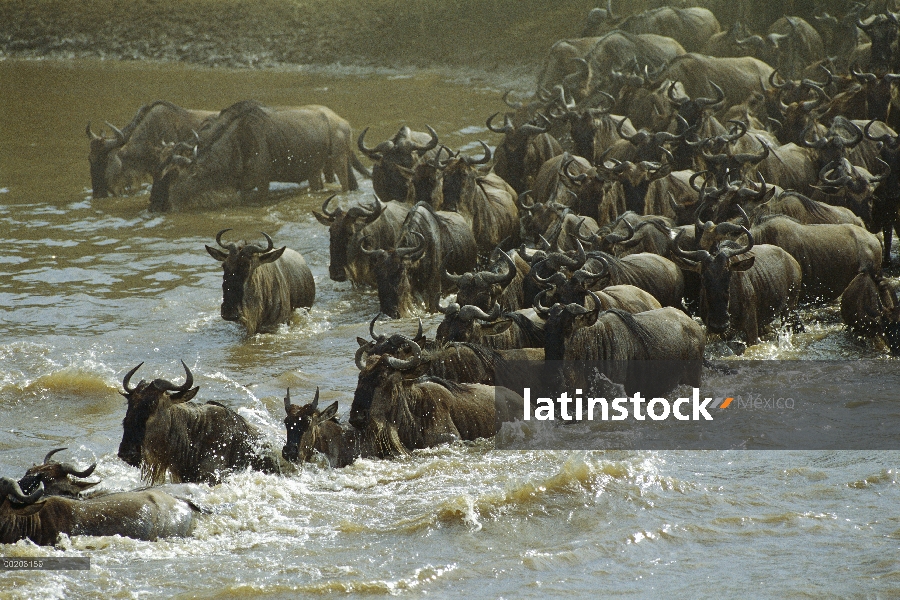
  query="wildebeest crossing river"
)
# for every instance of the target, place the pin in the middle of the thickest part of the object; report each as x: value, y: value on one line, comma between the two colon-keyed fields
x: 92, y: 287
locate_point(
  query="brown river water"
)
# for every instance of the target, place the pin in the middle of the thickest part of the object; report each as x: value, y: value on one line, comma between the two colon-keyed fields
x: 90, y: 288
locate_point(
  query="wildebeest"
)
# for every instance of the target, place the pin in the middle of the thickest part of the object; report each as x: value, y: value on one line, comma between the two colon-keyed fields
x: 261, y: 287
x: 143, y: 515
x: 498, y: 330
x: 427, y: 411
x: 500, y: 284
x: 132, y: 154
x: 791, y: 45
x: 691, y: 27
x: 249, y: 145
x: 405, y: 149
x: 380, y: 223
x: 522, y: 151
x: 829, y: 255
x: 870, y: 307
x: 407, y: 274
x: 312, y: 430
x: 622, y: 341
x: 58, y: 479
x: 486, y: 201
x: 745, y: 287
x: 194, y: 443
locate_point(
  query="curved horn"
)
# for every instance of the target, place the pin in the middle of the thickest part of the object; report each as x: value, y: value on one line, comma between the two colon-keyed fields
x: 536, y: 303
x: 128, y: 378
x: 516, y: 105
x: 330, y: 215
x: 775, y: 85
x: 70, y: 469
x: 51, y: 453
x: 507, y: 125
x: 693, y: 256
x: 370, y: 152
x: 502, y: 279
x: 430, y: 145
x: 188, y: 382
x: 120, y: 137
x: 10, y: 487
x: 576, y: 179
x: 720, y: 96
x: 405, y: 365
x: 622, y: 135
x: 485, y: 159
x: 416, y: 252
x: 470, y: 312
x: 362, y: 248
x: 229, y: 247
x: 730, y: 252
x: 375, y: 337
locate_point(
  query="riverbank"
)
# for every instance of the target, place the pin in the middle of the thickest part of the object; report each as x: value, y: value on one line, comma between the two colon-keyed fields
x: 264, y: 33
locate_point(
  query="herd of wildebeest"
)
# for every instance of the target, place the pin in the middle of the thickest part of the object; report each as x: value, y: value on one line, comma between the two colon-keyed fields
x: 666, y: 173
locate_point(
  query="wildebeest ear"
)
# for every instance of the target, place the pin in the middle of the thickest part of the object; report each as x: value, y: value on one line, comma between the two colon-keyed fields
x: 742, y: 264
x: 271, y: 256
x: 188, y: 395
x: 217, y: 254
x: 362, y: 341
x: 496, y: 327
x: 328, y: 413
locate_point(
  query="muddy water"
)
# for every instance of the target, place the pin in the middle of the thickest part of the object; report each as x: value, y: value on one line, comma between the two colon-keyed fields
x: 90, y: 288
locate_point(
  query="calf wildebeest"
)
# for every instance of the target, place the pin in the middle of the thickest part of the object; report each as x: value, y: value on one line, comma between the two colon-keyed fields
x: 194, y: 443
x: 312, y: 430
x: 427, y: 411
x: 261, y: 287
x: 380, y: 223
x: 143, y: 515
x: 870, y: 307
x: 132, y: 154
x: 745, y: 287
x: 250, y: 145
x: 58, y: 479
x: 623, y: 341
x: 405, y: 149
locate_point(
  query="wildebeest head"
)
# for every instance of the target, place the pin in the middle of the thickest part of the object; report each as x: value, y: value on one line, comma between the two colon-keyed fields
x: 855, y: 186
x: 460, y: 179
x: 173, y: 159
x: 146, y: 400
x: 57, y: 478
x: 239, y: 263
x: 882, y: 30
x: 392, y: 275
x: 461, y: 324
x: 10, y: 490
x: 302, y: 423
x: 341, y: 227
x: 98, y: 157
x: 483, y: 288
x: 404, y: 149
x: 379, y: 371
x: 715, y: 275
x: 561, y: 321
x: 510, y: 153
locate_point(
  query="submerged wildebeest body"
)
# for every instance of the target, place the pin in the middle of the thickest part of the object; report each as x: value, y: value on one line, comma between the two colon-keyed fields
x: 379, y: 225
x: 261, y: 287
x: 745, y: 287
x: 132, y: 155
x: 632, y: 347
x: 250, y: 145
x: 144, y: 515
x: 193, y: 443
x: 426, y: 411
x: 690, y: 27
x: 498, y: 330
